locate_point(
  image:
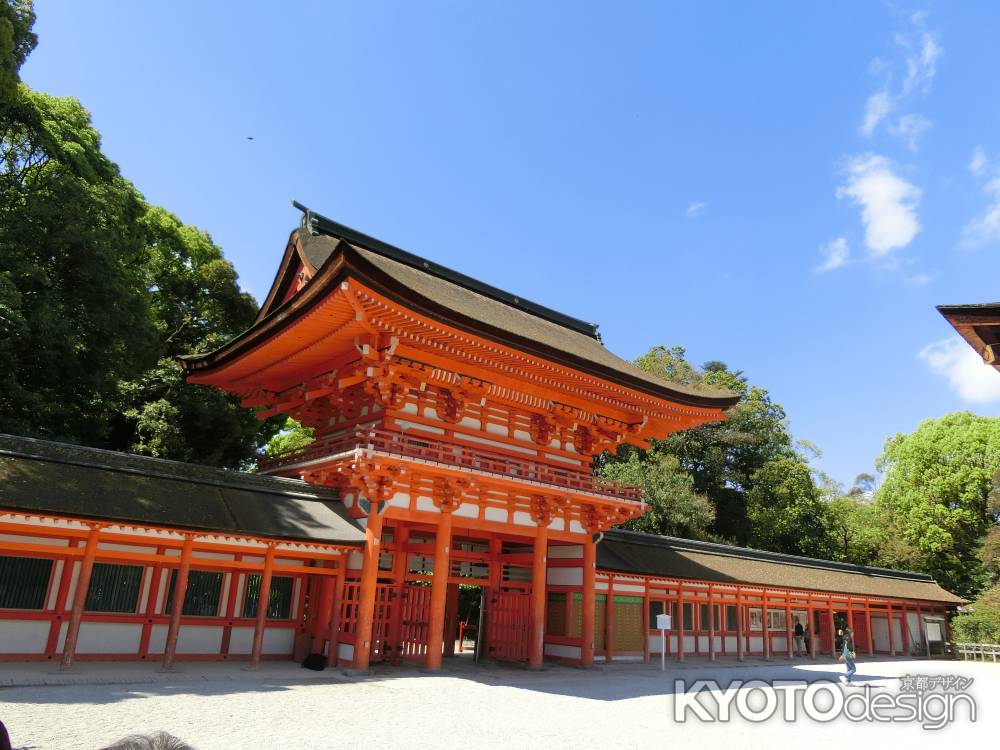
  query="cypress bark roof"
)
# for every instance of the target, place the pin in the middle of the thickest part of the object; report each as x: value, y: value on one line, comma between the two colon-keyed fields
x: 649, y: 554
x: 452, y: 298
x: 39, y: 476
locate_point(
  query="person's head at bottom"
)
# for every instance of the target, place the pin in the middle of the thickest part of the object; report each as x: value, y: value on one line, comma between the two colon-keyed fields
x: 155, y: 741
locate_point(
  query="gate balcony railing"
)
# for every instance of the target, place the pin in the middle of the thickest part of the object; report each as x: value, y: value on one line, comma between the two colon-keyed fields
x: 451, y: 454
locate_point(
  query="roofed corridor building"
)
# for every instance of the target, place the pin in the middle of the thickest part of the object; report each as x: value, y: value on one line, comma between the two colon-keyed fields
x: 456, y: 425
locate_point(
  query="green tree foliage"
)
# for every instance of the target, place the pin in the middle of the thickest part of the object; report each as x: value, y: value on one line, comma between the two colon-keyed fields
x: 723, y: 457
x: 981, y: 622
x: 16, y: 42
x: 937, y: 497
x: 99, y: 291
x: 785, y: 510
x: 674, y: 507
x: 291, y: 437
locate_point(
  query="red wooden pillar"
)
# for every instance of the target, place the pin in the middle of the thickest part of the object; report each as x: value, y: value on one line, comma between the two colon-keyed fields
x: 711, y: 625
x: 539, y: 573
x: 336, y: 613
x: 789, y: 631
x: 322, y: 631
x: 833, y: 632
x: 892, y: 637
x: 587, y: 603
x: 764, y: 631
x: 810, y: 627
x: 439, y: 589
x: 79, y: 597
x: 400, y: 568
x: 609, y: 621
x: 740, y: 613
x: 55, y: 626
x: 180, y: 589
x: 450, y: 619
x: 369, y: 579
x: 868, y: 630
x: 680, y: 623
x: 263, y: 599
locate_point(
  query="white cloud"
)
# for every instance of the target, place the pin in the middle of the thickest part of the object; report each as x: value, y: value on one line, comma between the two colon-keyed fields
x: 888, y: 203
x: 913, y: 69
x: 879, y: 106
x: 835, y: 254
x: 985, y: 228
x: 918, y: 280
x: 973, y: 381
x: 909, y: 129
x: 978, y: 163
x: 696, y: 209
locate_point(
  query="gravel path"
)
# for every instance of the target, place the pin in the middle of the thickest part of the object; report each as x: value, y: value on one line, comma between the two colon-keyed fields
x: 622, y: 706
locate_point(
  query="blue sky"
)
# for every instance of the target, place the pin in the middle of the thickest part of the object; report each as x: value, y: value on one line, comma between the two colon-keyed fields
x: 787, y: 187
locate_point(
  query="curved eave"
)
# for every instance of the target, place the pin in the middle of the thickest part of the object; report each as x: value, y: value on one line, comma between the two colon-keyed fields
x: 347, y: 263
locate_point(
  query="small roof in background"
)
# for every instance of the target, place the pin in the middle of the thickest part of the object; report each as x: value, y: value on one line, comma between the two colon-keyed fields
x: 979, y: 325
x: 649, y: 554
x: 39, y: 476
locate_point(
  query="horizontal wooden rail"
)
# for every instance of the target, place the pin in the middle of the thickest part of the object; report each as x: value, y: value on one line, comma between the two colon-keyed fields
x: 452, y: 454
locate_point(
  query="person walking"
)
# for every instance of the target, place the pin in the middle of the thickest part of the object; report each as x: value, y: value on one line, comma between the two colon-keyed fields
x: 847, y: 655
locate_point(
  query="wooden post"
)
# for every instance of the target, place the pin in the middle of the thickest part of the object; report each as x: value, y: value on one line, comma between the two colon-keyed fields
x: 868, y: 630
x: 369, y: 579
x: 321, y: 630
x: 180, y: 589
x: 539, y: 573
x: 833, y: 632
x: 333, y: 650
x: 892, y: 638
x: 609, y: 621
x: 711, y: 625
x: 810, y: 627
x: 587, y: 602
x: 763, y: 625
x: 263, y: 599
x: 789, y: 631
x: 680, y: 622
x: 740, y: 614
x: 450, y: 619
x: 400, y: 568
x: 79, y: 597
x: 439, y: 589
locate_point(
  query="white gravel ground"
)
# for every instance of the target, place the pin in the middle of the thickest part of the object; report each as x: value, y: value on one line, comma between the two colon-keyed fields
x: 221, y: 707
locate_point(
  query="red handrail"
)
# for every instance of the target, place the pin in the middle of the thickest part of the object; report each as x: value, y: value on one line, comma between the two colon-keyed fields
x: 452, y: 454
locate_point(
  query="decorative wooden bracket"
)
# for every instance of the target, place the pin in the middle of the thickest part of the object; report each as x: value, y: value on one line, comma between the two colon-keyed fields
x: 375, y: 483
x: 542, y: 510
x: 541, y: 430
x: 448, y: 493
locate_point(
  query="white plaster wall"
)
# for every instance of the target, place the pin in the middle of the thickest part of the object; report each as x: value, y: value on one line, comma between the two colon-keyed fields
x: 756, y: 644
x: 562, y: 650
x: 703, y: 643
x: 496, y: 429
x: 466, y: 510
x: 23, y: 636
x: 345, y: 651
x: 522, y: 518
x: 779, y: 644
x: 355, y: 560
x: 192, y: 639
x: 566, y: 551
x: 276, y: 640
x: 28, y: 539
x: 495, y: 514
x: 109, y: 638
x: 732, y: 642
x: 565, y: 577
x: 897, y: 634
x: 880, y: 633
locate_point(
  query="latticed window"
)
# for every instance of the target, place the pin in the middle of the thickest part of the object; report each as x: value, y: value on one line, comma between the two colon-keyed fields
x: 203, y: 593
x: 279, y: 602
x: 114, y: 588
x: 24, y: 582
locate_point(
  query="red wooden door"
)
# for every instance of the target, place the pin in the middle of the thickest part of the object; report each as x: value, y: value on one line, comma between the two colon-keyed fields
x: 860, y: 632
x: 385, y: 609
x: 415, y: 614
x: 823, y: 633
x: 508, y: 625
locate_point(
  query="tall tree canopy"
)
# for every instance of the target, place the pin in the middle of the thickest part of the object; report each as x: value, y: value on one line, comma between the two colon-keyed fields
x: 99, y: 291
x: 741, y: 480
x: 937, y: 497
